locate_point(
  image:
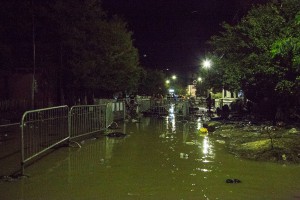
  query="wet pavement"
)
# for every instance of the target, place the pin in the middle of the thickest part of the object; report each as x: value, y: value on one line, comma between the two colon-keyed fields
x: 10, y: 149
x: 160, y: 158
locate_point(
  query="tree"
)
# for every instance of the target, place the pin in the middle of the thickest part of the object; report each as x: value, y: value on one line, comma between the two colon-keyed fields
x: 152, y: 82
x: 80, y: 51
x: 120, y: 68
x: 251, y: 56
x: 100, y: 56
x: 286, y: 52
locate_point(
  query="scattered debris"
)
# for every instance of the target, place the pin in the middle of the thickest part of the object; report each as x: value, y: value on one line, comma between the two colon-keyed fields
x: 12, y: 178
x: 116, y: 134
x: 113, y: 125
x: 233, y: 180
x: 74, y: 144
x: 184, y: 155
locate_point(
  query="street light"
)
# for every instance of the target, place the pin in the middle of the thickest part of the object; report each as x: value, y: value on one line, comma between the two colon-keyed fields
x: 33, y: 85
x: 174, y: 77
x: 199, y: 79
x: 167, y: 81
x: 206, y: 63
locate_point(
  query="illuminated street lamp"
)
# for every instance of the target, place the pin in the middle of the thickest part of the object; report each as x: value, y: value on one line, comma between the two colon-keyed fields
x: 174, y: 77
x: 206, y: 63
x: 199, y: 79
x: 167, y: 81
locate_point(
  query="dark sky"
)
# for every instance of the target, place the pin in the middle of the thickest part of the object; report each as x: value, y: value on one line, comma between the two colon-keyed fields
x: 172, y: 33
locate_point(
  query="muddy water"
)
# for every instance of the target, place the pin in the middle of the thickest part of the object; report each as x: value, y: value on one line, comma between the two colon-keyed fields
x: 161, y: 158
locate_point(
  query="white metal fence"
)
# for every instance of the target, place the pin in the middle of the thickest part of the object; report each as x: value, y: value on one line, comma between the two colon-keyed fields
x: 86, y: 119
x: 118, y: 109
x: 46, y: 128
x: 109, y: 116
x: 143, y: 104
x: 43, y: 129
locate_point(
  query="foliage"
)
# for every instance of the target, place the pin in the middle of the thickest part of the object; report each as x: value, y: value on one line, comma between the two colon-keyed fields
x: 78, y: 47
x: 260, y: 55
x: 152, y: 82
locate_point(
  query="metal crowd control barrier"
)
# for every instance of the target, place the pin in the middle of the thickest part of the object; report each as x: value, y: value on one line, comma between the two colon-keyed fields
x: 144, y: 104
x: 109, y: 115
x: 86, y: 119
x: 41, y: 130
x: 118, y: 109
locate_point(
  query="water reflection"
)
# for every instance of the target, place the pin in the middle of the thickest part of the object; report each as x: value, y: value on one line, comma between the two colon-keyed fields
x: 180, y: 165
x: 170, y: 120
x: 207, y: 148
x: 199, y: 123
x: 185, y: 132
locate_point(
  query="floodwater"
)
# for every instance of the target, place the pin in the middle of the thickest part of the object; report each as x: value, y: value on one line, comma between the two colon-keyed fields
x: 161, y: 158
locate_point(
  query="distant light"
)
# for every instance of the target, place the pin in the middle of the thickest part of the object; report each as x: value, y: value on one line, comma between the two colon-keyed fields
x: 167, y: 81
x: 206, y: 63
x: 145, y: 55
x: 174, y: 77
x: 199, y: 79
x: 171, y: 90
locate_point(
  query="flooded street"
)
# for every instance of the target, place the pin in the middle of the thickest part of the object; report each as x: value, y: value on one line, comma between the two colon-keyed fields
x: 160, y: 158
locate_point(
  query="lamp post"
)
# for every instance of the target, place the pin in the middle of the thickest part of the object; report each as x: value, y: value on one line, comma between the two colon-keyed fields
x: 169, y: 82
x: 33, y: 49
x: 207, y: 64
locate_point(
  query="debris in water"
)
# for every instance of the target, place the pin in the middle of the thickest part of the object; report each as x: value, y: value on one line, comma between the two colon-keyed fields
x: 220, y: 141
x: 190, y: 143
x: 113, y: 125
x: 184, y: 155
x: 12, y: 178
x: 116, y: 134
x: 233, y: 180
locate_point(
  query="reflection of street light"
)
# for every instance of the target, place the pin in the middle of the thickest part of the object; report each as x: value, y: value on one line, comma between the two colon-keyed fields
x: 206, y: 63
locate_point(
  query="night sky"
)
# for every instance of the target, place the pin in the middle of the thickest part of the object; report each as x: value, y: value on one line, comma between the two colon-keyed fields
x: 172, y: 33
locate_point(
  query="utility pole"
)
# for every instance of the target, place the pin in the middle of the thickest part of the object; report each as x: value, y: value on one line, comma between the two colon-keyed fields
x: 33, y: 49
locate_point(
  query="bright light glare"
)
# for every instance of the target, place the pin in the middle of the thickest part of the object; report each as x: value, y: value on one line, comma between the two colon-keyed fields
x: 207, y: 63
x: 199, y: 79
x: 167, y: 81
x: 171, y: 90
x: 171, y: 119
x: 206, y: 146
x: 174, y: 77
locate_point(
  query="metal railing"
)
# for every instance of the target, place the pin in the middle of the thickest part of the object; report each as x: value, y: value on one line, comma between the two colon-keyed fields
x: 118, y: 110
x: 41, y: 130
x: 143, y: 104
x: 109, y: 115
x: 46, y: 128
x: 86, y: 119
